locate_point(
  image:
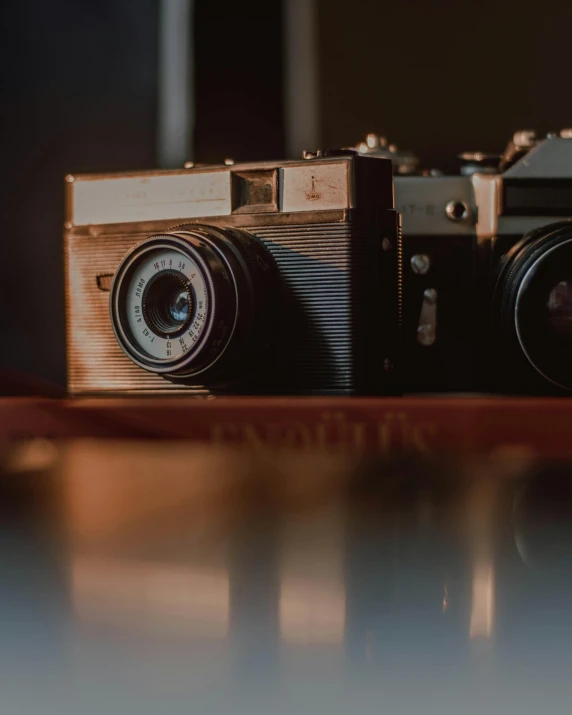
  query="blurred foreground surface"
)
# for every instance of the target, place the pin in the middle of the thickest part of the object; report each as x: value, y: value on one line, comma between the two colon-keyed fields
x: 171, y: 578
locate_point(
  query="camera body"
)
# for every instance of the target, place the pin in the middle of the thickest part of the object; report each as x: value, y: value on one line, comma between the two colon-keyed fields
x: 265, y: 278
x: 488, y: 269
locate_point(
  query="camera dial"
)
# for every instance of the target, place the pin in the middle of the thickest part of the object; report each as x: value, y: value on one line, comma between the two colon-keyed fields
x: 192, y: 298
x: 404, y: 161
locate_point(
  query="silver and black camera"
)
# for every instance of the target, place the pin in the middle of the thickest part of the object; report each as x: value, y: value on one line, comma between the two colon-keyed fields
x: 269, y: 278
x: 487, y: 268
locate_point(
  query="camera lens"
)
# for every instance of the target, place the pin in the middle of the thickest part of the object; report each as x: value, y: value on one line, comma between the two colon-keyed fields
x: 167, y: 303
x: 198, y: 297
x: 532, y: 304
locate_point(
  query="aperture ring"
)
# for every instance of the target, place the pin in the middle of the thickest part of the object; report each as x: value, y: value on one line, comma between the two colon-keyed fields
x: 217, y: 323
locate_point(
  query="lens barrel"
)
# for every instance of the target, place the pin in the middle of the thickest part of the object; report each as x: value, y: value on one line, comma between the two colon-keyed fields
x: 530, y: 304
x: 196, y: 300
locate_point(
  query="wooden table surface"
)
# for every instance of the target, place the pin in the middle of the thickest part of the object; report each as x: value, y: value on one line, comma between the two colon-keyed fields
x: 356, y: 425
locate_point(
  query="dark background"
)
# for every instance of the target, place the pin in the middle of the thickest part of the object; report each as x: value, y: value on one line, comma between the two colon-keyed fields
x: 444, y: 76
x: 79, y: 93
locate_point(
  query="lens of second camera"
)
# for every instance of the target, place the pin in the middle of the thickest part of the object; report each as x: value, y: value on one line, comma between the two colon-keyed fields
x: 532, y: 305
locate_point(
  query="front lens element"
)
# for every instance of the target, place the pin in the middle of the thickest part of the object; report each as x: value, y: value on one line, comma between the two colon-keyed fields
x: 167, y: 303
x: 180, y: 307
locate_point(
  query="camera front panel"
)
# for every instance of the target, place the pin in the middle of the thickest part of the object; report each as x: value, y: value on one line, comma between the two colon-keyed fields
x: 442, y: 305
x: 333, y: 276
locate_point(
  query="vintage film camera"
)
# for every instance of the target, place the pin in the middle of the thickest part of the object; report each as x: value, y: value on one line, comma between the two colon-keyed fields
x: 487, y: 268
x: 270, y: 278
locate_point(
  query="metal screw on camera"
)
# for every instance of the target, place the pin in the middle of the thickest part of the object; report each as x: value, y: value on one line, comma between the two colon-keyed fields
x: 456, y: 210
x: 420, y: 264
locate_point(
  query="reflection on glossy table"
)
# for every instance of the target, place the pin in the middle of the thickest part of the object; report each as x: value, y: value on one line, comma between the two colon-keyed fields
x: 168, y: 578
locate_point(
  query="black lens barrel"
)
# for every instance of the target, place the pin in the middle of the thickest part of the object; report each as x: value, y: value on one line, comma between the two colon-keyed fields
x: 244, y: 294
x: 521, y: 315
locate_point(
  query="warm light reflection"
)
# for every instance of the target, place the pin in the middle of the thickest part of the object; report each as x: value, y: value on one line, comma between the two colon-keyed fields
x: 445, y: 602
x: 112, y: 490
x: 312, y: 606
x: 482, y: 612
x: 30, y: 455
x: 161, y: 598
x: 312, y: 612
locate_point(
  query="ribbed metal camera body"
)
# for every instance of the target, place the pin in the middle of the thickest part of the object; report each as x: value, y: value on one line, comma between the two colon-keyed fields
x: 272, y: 278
